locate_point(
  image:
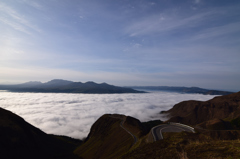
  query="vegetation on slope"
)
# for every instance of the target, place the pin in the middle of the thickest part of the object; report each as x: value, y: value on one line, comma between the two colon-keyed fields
x: 106, y: 139
x: 186, y: 146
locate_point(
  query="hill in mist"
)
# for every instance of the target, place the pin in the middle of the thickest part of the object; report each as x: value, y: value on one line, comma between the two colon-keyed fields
x: 183, y: 90
x: 64, y: 86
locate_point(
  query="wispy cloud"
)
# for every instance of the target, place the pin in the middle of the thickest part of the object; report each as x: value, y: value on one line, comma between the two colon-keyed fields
x: 166, y: 23
x: 218, y: 31
x: 16, y: 20
x: 33, y: 4
x: 14, y: 25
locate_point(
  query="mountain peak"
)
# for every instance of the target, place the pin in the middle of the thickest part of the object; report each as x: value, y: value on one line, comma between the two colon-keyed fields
x: 64, y: 86
x: 59, y: 81
x: 104, y: 83
x: 90, y: 82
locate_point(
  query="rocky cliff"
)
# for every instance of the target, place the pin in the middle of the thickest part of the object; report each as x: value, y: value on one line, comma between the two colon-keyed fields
x: 221, y: 110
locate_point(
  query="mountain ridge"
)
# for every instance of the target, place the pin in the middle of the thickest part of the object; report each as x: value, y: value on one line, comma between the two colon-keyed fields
x: 64, y: 86
x: 182, y: 89
x: 221, y: 110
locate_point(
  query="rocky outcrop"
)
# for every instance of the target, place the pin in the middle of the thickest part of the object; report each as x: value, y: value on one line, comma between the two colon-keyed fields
x: 204, y: 113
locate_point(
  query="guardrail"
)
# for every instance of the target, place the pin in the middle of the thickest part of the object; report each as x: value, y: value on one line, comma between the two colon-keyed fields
x: 172, y: 123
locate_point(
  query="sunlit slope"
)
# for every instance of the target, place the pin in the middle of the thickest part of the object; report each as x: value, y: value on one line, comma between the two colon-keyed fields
x: 107, y: 139
x: 222, y: 112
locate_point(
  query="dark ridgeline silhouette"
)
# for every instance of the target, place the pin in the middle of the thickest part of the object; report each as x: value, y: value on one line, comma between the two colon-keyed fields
x: 63, y: 86
x: 182, y: 90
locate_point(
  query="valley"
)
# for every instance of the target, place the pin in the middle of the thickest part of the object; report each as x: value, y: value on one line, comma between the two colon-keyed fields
x: 216, y: 134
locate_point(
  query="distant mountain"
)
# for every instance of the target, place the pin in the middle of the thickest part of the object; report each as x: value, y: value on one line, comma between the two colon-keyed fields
x: 63, y: 86
x: 56, y: 83
x: 30, y: 84
x: 182, y: 90
x: 37, y: 84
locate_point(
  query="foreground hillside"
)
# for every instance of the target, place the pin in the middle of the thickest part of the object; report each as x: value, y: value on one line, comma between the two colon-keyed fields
x: 116, y: 142
x: 19, y: 139
x: 216, y: 125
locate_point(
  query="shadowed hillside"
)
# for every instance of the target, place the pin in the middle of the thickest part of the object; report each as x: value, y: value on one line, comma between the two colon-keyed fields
x: 18, y: 139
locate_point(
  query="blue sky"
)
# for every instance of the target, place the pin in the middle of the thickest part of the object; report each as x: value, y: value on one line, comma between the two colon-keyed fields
x: 122, y: 42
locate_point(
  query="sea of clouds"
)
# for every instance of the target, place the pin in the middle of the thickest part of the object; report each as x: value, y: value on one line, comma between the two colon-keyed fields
x: 73, y: 114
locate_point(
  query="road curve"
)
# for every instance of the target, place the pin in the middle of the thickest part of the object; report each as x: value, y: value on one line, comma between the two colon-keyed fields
x: 134, y: 137
x: 174, y: 127
x: 123, y: 118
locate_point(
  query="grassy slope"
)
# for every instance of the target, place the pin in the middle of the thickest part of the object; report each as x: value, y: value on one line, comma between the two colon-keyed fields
x: 187, y: 145
x: 106, y: 140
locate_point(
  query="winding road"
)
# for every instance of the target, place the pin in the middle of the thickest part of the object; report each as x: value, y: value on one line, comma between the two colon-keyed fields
x: 157, y: 130
x: 134, y: 137
x: 171, y: 127
x: 123, y: 119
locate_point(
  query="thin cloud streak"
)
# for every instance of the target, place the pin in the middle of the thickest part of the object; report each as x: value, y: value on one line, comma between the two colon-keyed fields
x: 217, y: 31
x: 164, y: 24
x: 15, y: 20
x: 14, y: 25
x: 33, y: 4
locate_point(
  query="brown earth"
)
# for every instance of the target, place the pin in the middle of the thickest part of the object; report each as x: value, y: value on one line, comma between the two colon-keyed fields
x: 214, y: 111
x: 187, y: 146
x: 107, y: 139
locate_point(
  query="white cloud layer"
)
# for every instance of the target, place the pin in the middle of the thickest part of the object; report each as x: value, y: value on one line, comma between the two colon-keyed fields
x: 74, y: 114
